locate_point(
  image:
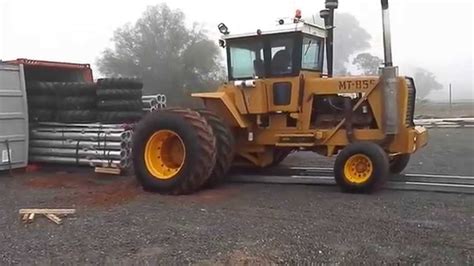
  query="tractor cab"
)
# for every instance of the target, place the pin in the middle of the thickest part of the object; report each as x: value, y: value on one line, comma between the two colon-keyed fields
x: 284, y: 51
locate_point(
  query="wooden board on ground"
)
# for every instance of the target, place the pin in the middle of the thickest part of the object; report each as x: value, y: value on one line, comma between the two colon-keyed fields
x: 47, y: 211
x: 108, y: 170
x: 28, y: 215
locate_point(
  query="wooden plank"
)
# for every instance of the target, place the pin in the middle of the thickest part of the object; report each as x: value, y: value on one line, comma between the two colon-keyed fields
x: 108, y: 170
x: 53, y: 218
x: 47, y: 211
x: 30, y: 218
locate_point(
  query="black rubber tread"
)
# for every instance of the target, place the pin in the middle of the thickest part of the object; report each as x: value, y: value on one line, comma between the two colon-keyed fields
x: 120, y: 83
x: 119, y: 94
x: 76, y: 116
x: 198, y: 140
x: 76, y: 103
x: 41, y: 102
x: 225, y: 147
x: 120, y: 105
x: 75, y: 88
x: 380, y: 165
x: 41, y: 88
x: 119, y: 117
x: 398, y: 163
x: 41, y: 115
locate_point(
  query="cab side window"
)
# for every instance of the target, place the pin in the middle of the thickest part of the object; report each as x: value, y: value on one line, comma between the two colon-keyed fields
x: 282, y: 56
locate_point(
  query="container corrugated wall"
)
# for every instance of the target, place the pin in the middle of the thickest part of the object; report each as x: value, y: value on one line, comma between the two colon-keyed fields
x: 13, y: 118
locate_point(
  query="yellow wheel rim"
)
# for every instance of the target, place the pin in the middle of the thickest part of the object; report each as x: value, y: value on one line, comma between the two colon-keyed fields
x: 164, y: 154
x: 358, y: 169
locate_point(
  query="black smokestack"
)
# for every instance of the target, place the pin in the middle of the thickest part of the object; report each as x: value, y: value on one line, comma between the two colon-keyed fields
x: 328, y: 16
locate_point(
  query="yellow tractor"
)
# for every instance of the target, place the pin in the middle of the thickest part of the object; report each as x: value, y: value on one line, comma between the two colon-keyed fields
x: 278, y: 100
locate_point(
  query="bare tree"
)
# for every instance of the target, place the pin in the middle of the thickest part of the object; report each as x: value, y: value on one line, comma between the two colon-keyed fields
x: 425, y: 82
x: 367, y: 63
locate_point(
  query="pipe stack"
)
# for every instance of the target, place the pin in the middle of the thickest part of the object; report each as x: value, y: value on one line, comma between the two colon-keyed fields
x: 81, y: 144
x: 152, y: 103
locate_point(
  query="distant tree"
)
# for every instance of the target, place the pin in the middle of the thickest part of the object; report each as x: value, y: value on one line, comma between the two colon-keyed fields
x: 349, y: 38
x: 367, y: 63
x: 169, y: 57
x: 425, y: 82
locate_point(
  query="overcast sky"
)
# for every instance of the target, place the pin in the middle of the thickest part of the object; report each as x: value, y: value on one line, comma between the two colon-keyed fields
x: 433, y: 34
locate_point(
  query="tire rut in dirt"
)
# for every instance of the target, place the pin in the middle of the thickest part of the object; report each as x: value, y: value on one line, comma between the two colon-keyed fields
x: 200, y: 150
x: 225, y: 147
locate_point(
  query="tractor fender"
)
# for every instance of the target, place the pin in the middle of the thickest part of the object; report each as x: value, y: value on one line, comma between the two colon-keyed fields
x: 221, y: 103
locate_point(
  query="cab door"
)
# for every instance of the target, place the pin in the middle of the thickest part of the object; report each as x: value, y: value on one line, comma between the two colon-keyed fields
x: 283, y: 58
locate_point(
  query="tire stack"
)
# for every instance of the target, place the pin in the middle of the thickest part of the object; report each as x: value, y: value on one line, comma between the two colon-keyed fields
x: 119, y: 100
x: 41, y: 101
x: 75, y: 102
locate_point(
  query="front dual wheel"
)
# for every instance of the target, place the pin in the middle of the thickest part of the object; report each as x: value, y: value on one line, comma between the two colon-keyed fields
x: 361, y: 167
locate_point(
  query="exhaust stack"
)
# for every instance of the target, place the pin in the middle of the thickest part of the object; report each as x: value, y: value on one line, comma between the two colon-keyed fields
x: 388, y: 75
x: 328, y: 16
x: 387, y: 40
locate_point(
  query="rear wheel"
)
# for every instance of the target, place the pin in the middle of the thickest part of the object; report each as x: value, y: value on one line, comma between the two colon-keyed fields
x: 225, y: 145
x: 174, y: 152
x: 361, y: 167
x: 398, y: 163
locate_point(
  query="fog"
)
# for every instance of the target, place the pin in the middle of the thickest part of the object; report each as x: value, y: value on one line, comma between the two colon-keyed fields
x: 433, y: 34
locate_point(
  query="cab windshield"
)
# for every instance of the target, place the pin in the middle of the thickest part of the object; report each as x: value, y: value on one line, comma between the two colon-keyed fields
x: 273, y: 55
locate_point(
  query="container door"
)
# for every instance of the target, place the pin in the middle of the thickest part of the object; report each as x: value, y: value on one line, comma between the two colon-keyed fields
x: 13, y: 118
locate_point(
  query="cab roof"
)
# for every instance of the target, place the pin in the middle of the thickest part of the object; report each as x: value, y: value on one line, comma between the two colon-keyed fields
x: 301, y: 26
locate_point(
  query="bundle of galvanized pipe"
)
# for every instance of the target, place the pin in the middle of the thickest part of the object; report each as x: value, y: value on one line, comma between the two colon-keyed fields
x: 81, y: 144
x: 152, y: 103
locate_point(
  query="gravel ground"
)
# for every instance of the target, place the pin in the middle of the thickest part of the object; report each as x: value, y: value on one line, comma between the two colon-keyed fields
x: 118, y: 223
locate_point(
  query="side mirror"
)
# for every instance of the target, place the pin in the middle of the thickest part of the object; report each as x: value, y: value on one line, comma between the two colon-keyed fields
x: 222, y: 43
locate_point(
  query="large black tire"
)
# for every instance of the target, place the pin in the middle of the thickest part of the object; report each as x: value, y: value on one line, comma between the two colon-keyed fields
x: 199, y: 145
x: 76, y: 103
x: 40, y: 88
x: 119, y: 94
x: 75, y: 88
x: 225, y: 147
x: 120, y: 83
x: 367, y: 162
x: 119, y: 117
x: 41, y: 102
x: 120, y: 105
x: 398, y: 163
x: 76, y: 116
x: 41, y: 115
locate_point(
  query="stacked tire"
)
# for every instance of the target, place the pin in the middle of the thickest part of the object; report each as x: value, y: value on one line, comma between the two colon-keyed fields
x: 75, y: 102
x: 41, y: 101
x: 119, y: 100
